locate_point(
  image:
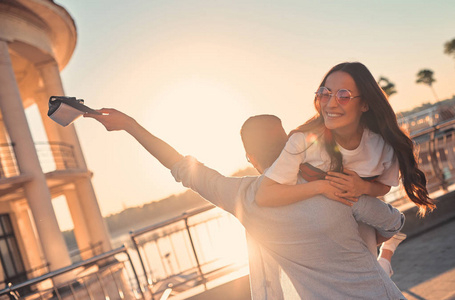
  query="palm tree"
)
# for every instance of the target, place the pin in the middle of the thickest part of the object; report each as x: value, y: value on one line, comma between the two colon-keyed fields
x: 425, y: 76
x: 387, y: 86
x: 449, y: 47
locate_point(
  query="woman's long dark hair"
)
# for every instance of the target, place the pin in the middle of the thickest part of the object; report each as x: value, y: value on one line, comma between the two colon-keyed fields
x: 381, y: 119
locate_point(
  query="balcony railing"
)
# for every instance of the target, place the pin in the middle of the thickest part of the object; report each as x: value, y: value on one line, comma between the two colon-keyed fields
x: 52, y: 156
x: 56, y: 156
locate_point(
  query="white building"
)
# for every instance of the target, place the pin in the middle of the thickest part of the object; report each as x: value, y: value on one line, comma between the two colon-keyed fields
x: 37, y: 39
x: 426, y: 118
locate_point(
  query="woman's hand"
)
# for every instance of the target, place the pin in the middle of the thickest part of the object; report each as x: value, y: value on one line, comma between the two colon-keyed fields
x: 112, y: 119
x: 333, y: 193
x: 349, y: 183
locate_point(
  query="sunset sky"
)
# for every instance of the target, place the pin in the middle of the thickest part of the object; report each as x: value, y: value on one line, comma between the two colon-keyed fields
x: 192, y: 71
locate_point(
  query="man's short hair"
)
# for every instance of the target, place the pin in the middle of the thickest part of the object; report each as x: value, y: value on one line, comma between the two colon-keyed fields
x: 263, y: 136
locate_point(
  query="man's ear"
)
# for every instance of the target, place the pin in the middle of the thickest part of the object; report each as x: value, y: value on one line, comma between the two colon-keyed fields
x: 250, y: 158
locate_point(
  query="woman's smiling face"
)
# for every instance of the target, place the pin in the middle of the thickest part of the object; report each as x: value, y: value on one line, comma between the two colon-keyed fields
x: 342, y: 119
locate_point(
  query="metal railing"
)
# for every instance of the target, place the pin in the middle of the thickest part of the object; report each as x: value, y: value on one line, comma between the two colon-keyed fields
x: 52, y: 156
x: 100, y: 277
x: 29, y: 273
x: 189, y: 250
x: 56, y: 156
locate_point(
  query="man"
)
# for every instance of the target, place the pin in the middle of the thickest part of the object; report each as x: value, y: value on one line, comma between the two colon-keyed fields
x: 310, y: 249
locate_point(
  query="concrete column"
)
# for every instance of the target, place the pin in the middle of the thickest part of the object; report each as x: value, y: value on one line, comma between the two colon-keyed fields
x: 81, y: 232
x: 84, y: 188
x: 29, y: 239
x: 36, y: 190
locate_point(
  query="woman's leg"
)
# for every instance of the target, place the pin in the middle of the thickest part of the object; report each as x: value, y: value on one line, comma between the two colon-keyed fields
x: 387, y: 250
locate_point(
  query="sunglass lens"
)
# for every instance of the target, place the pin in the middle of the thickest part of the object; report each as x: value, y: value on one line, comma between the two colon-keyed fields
x: 323, y: 94
x: 343, y: 96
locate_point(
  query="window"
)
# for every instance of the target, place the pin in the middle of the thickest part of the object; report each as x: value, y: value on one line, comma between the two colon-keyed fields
x: 11, y: 265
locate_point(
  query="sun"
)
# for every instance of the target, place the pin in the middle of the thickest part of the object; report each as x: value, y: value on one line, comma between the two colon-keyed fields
x: 202, y: 117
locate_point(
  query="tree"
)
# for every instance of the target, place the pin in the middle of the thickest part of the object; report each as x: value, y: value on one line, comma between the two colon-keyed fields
x: 425, y: 76
x: 387, y: 86
x: 449, y: 48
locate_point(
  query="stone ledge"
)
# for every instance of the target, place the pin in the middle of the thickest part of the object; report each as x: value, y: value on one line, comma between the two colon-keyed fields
x: 415, y: 225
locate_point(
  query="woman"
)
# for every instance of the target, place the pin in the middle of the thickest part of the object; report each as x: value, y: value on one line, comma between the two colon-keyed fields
x: 351, y: 109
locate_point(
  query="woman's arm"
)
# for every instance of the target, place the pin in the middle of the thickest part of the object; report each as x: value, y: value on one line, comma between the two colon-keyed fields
x: 376, y: 189
x: 271, y: 193
x: 279, y: 186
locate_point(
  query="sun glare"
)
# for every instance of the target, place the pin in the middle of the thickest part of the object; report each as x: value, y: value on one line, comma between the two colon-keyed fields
x: 202, y: 118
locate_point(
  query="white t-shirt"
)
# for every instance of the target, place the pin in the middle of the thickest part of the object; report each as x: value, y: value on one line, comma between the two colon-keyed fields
x: 373, y: 157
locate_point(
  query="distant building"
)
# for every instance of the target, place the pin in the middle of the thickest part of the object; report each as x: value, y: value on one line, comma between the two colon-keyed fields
x: 37, y: 39
x: 418, y: 120
x: 433, y: 133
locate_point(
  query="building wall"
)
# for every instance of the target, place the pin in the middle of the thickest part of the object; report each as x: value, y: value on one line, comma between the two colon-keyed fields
x: 37, y: 39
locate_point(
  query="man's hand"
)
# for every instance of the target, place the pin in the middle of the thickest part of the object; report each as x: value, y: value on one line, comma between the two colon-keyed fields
x: 350, y: 184
x: 112, y: 119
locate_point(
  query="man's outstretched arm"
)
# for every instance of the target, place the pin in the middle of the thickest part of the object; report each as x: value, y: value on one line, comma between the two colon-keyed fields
x: 211, y: 185
x: 115, y: 120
